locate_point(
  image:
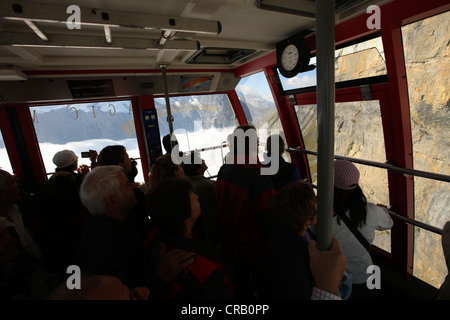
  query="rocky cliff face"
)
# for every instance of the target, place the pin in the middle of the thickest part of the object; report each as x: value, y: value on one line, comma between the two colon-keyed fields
x: 426, y: 55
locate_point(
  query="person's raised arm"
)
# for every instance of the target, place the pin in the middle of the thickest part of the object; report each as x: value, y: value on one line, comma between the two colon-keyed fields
x: 327, y: 266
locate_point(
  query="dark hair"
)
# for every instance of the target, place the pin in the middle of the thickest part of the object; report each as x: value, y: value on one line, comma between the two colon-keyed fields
x: 167, y: 143
x: 162, y: 169
x: 247, y: 140
x: 170, y: 205
x: 195, y: 163
x: 111, y: 155
x: 58, y: 198
x: 352, y: 200
x: 292, y: 206
x: 280, y: 144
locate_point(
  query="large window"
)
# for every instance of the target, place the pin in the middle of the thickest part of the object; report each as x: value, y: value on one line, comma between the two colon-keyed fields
x: 200, y: 121
x: 5, y: 164
x: 85, y: 126
x: 426, y: 54
x: 358, y: 134
x: 257, y: 101
x: 260, y: 110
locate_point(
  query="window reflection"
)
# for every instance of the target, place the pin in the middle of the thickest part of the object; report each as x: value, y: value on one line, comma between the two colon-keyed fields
x: 85, y: 126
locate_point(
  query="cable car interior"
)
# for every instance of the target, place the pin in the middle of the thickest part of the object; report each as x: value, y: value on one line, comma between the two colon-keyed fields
x: 365, y: 81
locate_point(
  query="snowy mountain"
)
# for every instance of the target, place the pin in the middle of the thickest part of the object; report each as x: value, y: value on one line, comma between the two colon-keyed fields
x: 62, y: 125
x: 213, y: 110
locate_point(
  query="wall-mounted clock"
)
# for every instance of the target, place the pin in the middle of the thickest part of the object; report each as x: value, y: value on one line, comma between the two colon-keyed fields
x: 293, y: 55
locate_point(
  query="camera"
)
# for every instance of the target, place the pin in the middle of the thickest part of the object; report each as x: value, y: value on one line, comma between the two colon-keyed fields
x: 85, y: 154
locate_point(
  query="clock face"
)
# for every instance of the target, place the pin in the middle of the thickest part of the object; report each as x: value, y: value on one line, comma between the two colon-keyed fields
x: 289, y: 57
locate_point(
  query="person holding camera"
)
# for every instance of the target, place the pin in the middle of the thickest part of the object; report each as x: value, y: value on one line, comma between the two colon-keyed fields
x: 67, y: 160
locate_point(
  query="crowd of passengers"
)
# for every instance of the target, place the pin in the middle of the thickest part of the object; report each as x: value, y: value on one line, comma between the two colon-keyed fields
x: 183, y: 236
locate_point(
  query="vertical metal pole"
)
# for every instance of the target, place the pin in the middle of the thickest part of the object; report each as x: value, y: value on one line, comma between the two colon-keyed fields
x: 166, y: 94
x: 325, y: 121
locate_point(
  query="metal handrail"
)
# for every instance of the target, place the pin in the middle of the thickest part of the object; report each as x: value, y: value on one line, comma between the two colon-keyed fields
x: 404, y: 171
x: 416, y: 223
x: 223, y: 145
x: 405, y: 219
x: 396, y: 169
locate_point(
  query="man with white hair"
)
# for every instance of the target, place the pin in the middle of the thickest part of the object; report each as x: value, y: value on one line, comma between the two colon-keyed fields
x: 138, y: 217
x: 103, y: 249
x: 107, y: 245
x: 106, y: 190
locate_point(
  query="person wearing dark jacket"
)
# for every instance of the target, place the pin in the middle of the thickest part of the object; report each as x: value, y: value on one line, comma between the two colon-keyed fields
x: 287, y: 271
x: 287, y: 172
x: 175, y: 209
x: 109, y: 246
x: 117, y: 155
x: 60, y: 219
x: 206, y: 225
x: 243, y: 194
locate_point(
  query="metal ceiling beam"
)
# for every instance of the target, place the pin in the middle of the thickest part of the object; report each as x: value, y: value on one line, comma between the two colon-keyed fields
x: 302, y: 8
x: 108, y: 37
x: 100, y: 62
x: 28, y: 54
x: 344, y: 10
x: 76, y: 41
x: 36, y: 30
x: 20, y: 10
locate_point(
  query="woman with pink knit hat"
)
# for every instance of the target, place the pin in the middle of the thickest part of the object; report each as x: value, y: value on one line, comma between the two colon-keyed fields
x: 354, y: 224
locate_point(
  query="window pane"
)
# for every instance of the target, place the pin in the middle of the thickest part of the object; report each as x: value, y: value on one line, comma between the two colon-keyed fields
x: 200, y: 121
x: 426, y: 55
x: 256, y: 100
x: 260, y: 110
x: 429, y: 261
x: 84, y: 126
x: 361, y: 60
x: 359, y: 134
x: 5, y: 164
x: 307, y: 118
